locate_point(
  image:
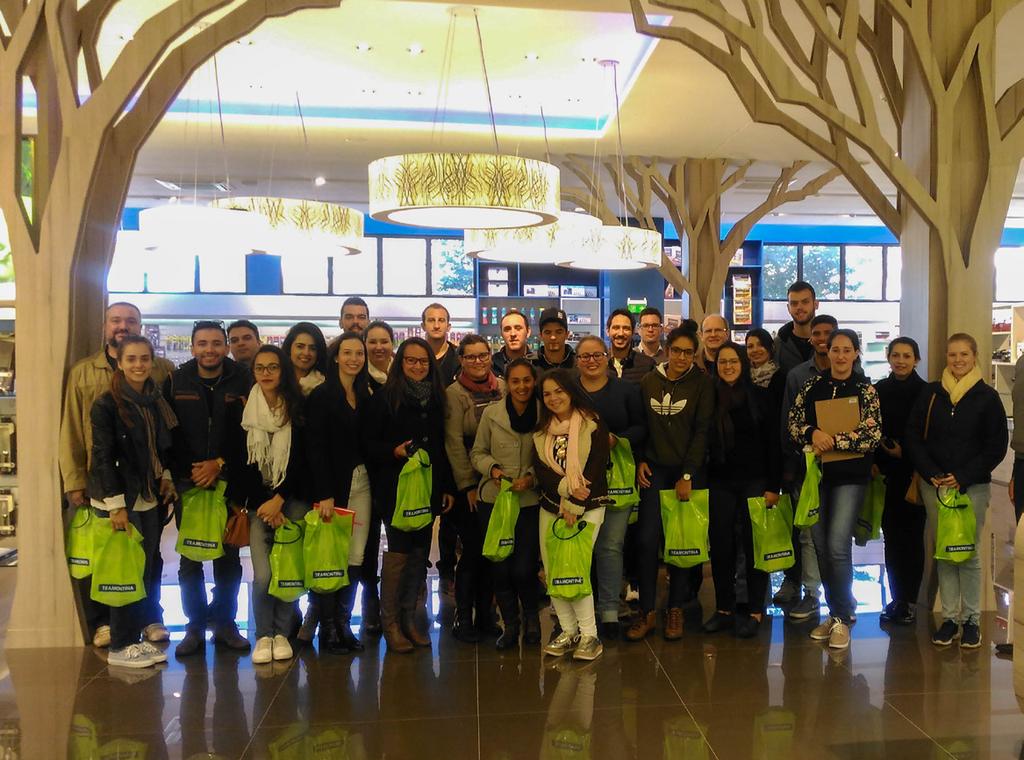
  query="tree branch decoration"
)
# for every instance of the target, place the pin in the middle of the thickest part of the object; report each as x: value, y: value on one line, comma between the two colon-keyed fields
x: 691, y: 190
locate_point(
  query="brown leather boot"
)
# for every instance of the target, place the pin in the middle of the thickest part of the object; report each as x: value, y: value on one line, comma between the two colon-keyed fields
x: 390, y: 582
x: 644, y: 623
x: 673, y: 624
x: 412, y: 599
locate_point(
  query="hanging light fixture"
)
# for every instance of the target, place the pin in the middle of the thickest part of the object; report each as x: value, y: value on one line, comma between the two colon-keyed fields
x: 465, y: 190
x: 547, y: 244
x: 617, y: 247
x: 199, y: 229
x: 292, y: 225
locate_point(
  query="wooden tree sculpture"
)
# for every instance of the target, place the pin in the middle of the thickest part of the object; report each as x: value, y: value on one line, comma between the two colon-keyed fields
x: 691, y: 190
x: 905, y: 87
x: 85, y: 146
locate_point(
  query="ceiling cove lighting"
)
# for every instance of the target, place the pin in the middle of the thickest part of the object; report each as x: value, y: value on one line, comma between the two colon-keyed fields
x: 294, y: 226
x: 547, y: 244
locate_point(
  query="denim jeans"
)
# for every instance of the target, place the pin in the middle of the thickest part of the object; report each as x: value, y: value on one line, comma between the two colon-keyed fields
x: 960, y: 582
x: 804, y: 572
x: 833, y: 540
x: 127, y: 622
x: 272, y: 615
x: 608, y: 563
x: 227, y: 579
x: 577, y: 616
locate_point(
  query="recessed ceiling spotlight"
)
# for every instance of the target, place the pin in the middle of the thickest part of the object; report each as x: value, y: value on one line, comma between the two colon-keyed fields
x: 320, y: 181
x: 415, y: 49
x: 531, y: 56
x: 363, y: 47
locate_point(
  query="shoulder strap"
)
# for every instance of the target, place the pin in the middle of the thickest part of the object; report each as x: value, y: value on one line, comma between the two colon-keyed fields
x: 928, y: 417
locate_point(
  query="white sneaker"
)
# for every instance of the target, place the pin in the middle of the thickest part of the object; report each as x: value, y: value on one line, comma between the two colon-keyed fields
x: 264, y: 651
x: 282, y: 649
x: 156, y: 632
x: 132, y: 656
x: 632, y: 594
x: 156, y: 653
x: 101, y: 638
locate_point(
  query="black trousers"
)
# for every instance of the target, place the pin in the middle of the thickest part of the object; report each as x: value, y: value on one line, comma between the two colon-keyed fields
x: 728, y: 531
x: 472, y: 574
x: 404, y: 542
x: 517, y: 573
x: 903, y: 527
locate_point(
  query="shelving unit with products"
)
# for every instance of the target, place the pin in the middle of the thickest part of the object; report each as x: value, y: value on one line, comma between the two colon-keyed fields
x: 1007, y: 346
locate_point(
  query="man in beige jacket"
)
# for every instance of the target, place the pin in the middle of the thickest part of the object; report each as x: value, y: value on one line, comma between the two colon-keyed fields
x: 87, y: 381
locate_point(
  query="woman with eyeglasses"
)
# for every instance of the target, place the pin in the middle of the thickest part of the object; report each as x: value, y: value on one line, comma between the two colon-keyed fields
x: 679, y: 402
x: 618, y: 405
x: 475, y: 388
x: 380, y: 352
x: 843, y: 482
x: 966, y: 440
x: 336, y: 458
x: 407, y: 414
x: 278, y: 486
x: 745, y: 462
x: 306, y: 349
x: 571, y: 461
x: 503, y: 448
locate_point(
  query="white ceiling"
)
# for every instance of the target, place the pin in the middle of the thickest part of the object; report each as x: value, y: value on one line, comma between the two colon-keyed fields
x: 362, y: 105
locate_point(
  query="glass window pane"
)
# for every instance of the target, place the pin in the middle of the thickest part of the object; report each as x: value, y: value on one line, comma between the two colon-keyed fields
x: 222, y: 272
x: 171, y: 271
x: 451, y: 270
x: 357, y: 275
x: 304, y: 274
x: 405, y: 266
x: 779, y: 271
x: 863, y: 273
x: 1010, y: 274
x: 821, y: 269
x: 894, y: 274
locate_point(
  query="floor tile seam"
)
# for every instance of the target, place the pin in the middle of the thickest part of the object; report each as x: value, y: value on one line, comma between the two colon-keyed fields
x: 931, y: 738
x: 270, y: 703
x: 682, y: 702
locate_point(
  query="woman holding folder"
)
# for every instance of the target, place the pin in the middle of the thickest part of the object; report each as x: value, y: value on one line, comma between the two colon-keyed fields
x: 819, y: 419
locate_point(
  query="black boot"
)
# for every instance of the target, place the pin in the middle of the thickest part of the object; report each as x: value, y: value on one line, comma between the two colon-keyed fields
x: 463, y: 629
x: 344, y: 620
x: 328, y: 641
x: 370, y: 612
x: 508, y: 603
x: 531, y: 627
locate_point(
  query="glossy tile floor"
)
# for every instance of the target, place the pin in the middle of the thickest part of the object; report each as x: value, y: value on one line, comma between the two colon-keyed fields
x: 893, y: 695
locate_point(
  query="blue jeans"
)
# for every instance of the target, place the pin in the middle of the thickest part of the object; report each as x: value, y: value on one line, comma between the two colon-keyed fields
x: 272, y: 615
x: 833, y: 539
x: 608, y: 562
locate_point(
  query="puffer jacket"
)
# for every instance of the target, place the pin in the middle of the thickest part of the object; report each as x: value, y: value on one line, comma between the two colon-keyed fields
x: 498, y: 445
x: 462, y: 417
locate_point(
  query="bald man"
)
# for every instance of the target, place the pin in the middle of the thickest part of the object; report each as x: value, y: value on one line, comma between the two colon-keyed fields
x: 714, y: 332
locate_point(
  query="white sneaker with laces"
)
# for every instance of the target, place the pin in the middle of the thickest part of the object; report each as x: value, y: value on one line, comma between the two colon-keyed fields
x: 263, y: 651
x: 156, y: 653
x: 132, y: 656
x: 282, y: 649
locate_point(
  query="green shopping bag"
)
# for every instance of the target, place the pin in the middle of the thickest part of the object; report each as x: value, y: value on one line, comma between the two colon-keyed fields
x: 869, y: 521
x: 287, y: 576
x: 686, y: 527
x: 204, y: 515
x: 634, y: 514
x: 412, y: 502
x: 500, y: 540
x: 119, y: 569
x: 325, y: 551
x: 683, y: 739
x: 774, y: 731
x: 79, y: 544
x: 83, y: 743
x: 569, y: 551
x: 565, y: 742
x: 773, y: 533
x: 622, y: 476
x: 291, y: 744
x: 809, y: 504
x: 956, y: 533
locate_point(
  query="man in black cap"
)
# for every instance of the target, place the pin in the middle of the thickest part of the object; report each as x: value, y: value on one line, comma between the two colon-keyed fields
x: 554, y: 330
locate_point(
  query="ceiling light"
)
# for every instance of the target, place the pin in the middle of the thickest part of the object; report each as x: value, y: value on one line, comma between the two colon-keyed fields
x: 547, y: 244
x: 295, y: 226
x: 199, y: 229
x: 464, y: 191
x: 363, y: 47
x: 168, y: 185
x: 320, y: 181
x: 531, y: 56
x: 415, y: 49
x: 612, y: 247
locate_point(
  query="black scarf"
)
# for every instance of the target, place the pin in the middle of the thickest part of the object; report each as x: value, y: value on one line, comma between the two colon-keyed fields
x: 525, y: 422
x: 157, y: 419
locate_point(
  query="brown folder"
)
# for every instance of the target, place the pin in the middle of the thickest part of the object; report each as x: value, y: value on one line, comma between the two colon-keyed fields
x: 838, y: 415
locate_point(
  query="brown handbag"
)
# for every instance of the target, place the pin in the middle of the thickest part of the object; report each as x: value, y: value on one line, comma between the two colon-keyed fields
x: 913, y: 494
x: 236, y: 532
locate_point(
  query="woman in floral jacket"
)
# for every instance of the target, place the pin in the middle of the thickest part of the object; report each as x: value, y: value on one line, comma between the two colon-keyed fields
x: 843, y: 482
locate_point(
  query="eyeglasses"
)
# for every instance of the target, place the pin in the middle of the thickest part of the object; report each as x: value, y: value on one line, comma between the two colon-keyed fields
x: 650, y: 326
x: 476, y: 358
x: 413, y: 361
x: 268, y: 369
x: 592, y: 357
x: 729, y: 362
x: 674, y: 351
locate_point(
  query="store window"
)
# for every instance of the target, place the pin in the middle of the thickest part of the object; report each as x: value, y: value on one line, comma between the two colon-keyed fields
x: 821, y: 267
x: 304, y: 274
x: 404, y: 263
x: 221, y: 272
x: 357, y: 275
x: 1010, y: 274
x: 781, y: 269
x: 451, y: 270
x: 894, y: 273
x: 864, y: 273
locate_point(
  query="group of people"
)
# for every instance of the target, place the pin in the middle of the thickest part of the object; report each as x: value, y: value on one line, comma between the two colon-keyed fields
x: 312, y: 425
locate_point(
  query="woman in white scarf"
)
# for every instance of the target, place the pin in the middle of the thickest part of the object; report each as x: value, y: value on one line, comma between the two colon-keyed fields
x: 380, y: 352
x: 273, y: 409
x: 306, y: 349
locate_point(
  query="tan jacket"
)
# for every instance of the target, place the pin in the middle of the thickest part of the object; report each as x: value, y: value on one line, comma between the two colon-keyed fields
x: 88, y: 380
x: 498, y: 445
x: 460, y: 423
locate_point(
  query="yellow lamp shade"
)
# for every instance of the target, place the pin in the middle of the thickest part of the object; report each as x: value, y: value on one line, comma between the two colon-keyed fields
x: 547, y: 244
x: 618, y: 248
x: 294, y: 226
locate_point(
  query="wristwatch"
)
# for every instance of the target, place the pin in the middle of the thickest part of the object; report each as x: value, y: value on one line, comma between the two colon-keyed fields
x: 686, y: 477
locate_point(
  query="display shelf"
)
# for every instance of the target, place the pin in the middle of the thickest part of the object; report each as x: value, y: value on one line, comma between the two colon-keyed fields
x: 1003, y: 372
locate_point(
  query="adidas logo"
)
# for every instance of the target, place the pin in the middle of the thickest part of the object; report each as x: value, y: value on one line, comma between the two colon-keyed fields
x: 666, y: 407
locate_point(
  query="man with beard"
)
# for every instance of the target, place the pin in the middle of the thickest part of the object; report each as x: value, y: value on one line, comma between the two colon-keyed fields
x: 626, y: 363
x: 355, y: 315
x: 88, y: 380
x: 793, y: 344
x: 515, y: 331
